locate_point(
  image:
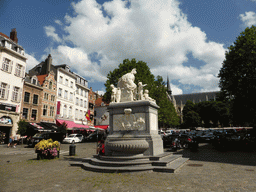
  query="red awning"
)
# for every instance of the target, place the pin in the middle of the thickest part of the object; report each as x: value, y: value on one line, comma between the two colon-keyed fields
x: 70, y: 124
x: 101, y: 126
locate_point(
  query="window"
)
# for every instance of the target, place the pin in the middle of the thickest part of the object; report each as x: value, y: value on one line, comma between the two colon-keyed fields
x: 52, y: 97
x: 26, y: 97
x: 35, y: 99
x: 66, y: 82
x: 25, y: 113
x: 81, y: 102
x: 65, y: 111
x: 15, y: 93
x: 76, y: 114
x: 45, y: 110
x: 7, y: 65
x: 85, y: 104
x: 77, y: 100
x: 90, y: 105
x: 50, y: 85
x: 33, y: 115
x: 81, y: 115
x: 66, y: 94
x: 61, y: 79
x: 82, y: 92
x: 60, y: 92
x: 70, y: 112
x: 77, y: 90
x: 71, y: 96
x: 51, y: 111
x: 3, y: 91
x: 19, y: 70
x: 46, y: 96
x: 71, y: 84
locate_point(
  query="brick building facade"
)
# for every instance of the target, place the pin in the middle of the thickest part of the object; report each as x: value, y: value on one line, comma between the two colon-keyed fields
x: 48, y: 96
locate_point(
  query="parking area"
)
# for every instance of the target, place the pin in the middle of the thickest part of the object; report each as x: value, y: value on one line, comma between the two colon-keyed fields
x: 207, y: 170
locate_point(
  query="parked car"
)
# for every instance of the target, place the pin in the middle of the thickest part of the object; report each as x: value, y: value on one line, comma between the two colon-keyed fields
x: 48, y: 135
x: 93, y: 136
x: 73, y: 138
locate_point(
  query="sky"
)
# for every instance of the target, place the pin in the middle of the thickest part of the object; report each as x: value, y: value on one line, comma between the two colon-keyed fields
x: 184, y: 40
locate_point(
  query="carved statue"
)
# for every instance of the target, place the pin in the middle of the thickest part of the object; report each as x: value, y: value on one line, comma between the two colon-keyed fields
x: 114, y: 92
x: 127, y: 86
x: 140, y: 91
x: 118, y: 95
x: 146, y: 96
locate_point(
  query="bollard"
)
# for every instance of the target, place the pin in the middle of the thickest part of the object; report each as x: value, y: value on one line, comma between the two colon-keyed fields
x: 72, y: 150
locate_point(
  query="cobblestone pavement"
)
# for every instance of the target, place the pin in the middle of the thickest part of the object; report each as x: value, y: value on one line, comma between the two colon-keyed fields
x: 207, y: 170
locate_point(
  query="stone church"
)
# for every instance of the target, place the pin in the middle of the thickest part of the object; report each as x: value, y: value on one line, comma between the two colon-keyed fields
x: 179, y: 101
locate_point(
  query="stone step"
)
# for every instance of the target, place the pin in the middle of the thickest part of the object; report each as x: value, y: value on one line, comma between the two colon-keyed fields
x: 173, y: 166
x: 100, y: 162
x: 166, y: 160
x: 95, y: 168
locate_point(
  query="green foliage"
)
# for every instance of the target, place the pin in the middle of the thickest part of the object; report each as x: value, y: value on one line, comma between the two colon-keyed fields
x: 22, y: 127
x: 166, y: 114
x: 238, y: 77
x: 62, y: 128
x: 206, y: 114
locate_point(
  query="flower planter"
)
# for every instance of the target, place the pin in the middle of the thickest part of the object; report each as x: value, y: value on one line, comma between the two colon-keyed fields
x: 40, y: 155
x: 47, y: 149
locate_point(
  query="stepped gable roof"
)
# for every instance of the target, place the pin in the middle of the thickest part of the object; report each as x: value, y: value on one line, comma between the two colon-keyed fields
x: 195, y: 97
x: 41, y: 78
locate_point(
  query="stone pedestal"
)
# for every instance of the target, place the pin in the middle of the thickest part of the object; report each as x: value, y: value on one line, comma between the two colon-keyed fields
x: 133, y: 129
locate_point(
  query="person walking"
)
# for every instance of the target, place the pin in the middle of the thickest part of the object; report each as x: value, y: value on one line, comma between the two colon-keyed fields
x: 10, y: 142
x: 15, y: 141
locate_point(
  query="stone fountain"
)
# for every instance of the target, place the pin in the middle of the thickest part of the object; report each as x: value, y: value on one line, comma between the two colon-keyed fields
x: 133, y: 143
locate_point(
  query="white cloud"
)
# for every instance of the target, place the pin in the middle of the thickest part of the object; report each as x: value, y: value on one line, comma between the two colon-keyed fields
x: 58, y: 22
x: 156, y: 32
x: 50, y: 32
x: 176, y: 90
x: 249, y: 18
x: 31, y: 62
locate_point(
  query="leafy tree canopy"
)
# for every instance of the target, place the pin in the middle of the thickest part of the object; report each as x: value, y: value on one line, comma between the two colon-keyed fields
x: 238, y: 77
x: 22, y: 127
x: 157, y: 90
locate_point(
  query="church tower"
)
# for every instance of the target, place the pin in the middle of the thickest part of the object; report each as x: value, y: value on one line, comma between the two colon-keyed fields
x: 169, y: 91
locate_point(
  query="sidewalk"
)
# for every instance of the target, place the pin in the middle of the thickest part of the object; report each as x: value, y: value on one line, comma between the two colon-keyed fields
x: 208, y: 170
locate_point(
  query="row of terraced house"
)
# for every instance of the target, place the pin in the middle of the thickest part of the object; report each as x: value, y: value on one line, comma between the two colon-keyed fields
x: 45, y: 97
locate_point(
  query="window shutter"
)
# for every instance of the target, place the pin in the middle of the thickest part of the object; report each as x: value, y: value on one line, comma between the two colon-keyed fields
x: 3, y: 63
x: 23, y: 71
x: 11, y: 66
x: 7, y: 92
x: 20, y: 95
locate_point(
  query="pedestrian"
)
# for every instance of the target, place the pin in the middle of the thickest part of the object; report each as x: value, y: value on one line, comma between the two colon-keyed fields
x: 15, y: 141
x: 101, y: 147
x: 10, y: 142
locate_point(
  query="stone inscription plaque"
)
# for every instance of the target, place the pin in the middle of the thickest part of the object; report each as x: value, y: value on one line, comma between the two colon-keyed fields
x: 129, y: 122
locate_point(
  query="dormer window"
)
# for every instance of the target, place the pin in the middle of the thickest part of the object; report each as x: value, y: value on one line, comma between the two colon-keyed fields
x: 34, y: 80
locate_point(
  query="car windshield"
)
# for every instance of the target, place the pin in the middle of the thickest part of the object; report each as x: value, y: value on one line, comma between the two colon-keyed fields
x: 72, y: 135
x: 38, y: 135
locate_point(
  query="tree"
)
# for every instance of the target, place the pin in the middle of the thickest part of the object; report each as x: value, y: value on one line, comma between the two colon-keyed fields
x: 157, y: 90
x: 22, y: 127
x: 167, y: 116
x: 190, y: 116
x: 238, y: 77
x: 62, y: 128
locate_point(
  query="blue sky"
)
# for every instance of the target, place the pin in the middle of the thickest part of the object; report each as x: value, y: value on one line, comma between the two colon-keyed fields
x: 185, y: 39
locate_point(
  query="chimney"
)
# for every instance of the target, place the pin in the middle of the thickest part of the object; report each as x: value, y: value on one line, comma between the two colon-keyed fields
x: 13, y: 35
x: 49, y: 63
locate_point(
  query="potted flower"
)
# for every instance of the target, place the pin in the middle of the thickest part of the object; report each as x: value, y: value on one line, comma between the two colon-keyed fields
x: 47, y: 149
